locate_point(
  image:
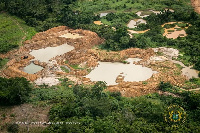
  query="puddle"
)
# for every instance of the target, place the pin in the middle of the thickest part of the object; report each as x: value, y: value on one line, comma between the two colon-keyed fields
x: 135, y: 22
x: 71, y: 35
x: 44, y: 55
x: 32, y: 68
x: 108, y: 72
x: 103, y: 14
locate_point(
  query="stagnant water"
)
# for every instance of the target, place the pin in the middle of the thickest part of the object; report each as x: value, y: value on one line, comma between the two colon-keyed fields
x: 32, y: 68
x: 108, y: 72
x: 45, y: 54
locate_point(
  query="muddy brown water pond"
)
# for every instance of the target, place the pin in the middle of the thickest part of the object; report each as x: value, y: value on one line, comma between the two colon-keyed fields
x: 32, y: 68
x: 45, y: 54
x: 108, y: 72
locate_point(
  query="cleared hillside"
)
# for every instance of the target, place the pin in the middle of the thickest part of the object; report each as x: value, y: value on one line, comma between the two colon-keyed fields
x: 13, y: 32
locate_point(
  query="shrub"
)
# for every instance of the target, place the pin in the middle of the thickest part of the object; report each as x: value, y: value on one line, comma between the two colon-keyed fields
x: 14, y: 90
x: 165, y: 86
x: 13, y: 128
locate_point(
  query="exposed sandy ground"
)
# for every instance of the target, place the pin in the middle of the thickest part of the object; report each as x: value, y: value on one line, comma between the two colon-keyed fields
x: 72, y: 36
x: 196, y: 5
x: 135, y: 22
x: 175, y: 32
x: 98, y: 22
x: 87, y: 57
x: 49, y: 38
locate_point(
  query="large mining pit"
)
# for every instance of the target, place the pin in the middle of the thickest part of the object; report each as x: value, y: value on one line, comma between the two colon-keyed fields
x: 87, y: 56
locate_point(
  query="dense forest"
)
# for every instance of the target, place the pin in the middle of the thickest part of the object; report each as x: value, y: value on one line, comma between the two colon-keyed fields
x: 94, y: 109
x: 81, y: 108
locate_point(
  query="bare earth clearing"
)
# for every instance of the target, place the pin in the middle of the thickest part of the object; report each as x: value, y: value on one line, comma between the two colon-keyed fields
x: 87, y: 57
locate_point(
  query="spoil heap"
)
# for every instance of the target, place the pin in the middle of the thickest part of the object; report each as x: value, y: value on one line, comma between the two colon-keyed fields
x: 49, y: 38
x: 86, y: 56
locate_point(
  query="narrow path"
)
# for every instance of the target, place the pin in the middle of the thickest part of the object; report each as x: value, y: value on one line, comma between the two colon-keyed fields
x: 197, y: 89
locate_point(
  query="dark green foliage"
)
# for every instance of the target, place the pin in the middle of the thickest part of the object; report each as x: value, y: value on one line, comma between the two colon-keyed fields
x: 3, y: 62
x: 119, y: 40
x: 119, y: 18
x: 197, y: 65
x: 14, y: 90
x: 97, y: 89
x: 93, y: 110
x: 142, y: 27
x: 13, y: 32
x: 167, y: 26
x: 42, y: 14
x: 164, y: 86
x: 13, y: 128
x: 192, y: 99
x: 5, y: 47
x: 74, y: 19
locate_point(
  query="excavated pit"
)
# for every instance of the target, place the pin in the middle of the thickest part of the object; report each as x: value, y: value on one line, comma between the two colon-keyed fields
x: 85, y: 57
x: 174, y: 32
x: 108, y: 72
x: 45, y: 54
x: 32, y: 68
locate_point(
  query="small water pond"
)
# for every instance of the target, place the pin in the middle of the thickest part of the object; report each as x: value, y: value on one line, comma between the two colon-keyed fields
x: 45, y: 54
x: 108, y: 72
x: 32, y: 68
